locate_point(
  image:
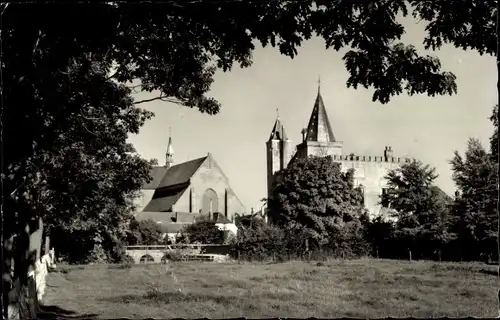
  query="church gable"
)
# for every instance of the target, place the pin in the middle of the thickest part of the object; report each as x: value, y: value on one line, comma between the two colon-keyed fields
x: 169, y: 185
x: 211, y: 191
x: 194, y: 186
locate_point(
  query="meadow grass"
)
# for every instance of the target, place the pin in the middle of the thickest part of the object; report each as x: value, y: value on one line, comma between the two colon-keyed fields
x: 350, y: 288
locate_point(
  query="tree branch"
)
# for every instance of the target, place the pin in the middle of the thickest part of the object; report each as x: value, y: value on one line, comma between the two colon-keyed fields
x: 37, y: 41
x: 4, y: 8
x: 161, y: 98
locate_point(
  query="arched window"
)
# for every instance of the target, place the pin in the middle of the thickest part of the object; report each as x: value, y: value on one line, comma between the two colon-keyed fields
x: 210, y: 202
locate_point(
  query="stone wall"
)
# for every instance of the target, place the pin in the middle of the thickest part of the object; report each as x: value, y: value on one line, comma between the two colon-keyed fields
x: 210, y: 176
x: 371, y: 174
x: 143, y: 199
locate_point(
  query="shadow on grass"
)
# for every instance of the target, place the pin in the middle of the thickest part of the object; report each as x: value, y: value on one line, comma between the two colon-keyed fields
x: 55, y: 312
x: 489, y: 272
x: 170, y: 297
x: 179, y: 297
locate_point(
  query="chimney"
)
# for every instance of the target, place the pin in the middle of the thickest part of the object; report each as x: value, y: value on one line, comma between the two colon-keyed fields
x: 388, y: 153
x: 304, y: 131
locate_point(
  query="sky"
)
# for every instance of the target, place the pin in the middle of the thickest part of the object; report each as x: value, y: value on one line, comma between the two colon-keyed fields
x: 428, y: 128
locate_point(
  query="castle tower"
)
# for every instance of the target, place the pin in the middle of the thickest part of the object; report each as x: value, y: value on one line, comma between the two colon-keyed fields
x: 318, y: 137
x: 169, y: 155
x: 279, y: 152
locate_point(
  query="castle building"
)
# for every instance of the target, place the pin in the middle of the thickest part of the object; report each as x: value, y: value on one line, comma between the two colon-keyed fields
x: 318, y: 140
x: 178, y: 193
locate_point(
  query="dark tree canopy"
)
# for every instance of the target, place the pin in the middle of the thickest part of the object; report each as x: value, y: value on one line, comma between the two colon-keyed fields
x: 68, y: 80
x: 313, y: 193
x: 202, y: 231
x: 421, y: 209
x: 494, y: 137
x: 476, y: 207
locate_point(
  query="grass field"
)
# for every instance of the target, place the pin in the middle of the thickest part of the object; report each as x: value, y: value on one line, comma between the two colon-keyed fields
x: 358, y: 288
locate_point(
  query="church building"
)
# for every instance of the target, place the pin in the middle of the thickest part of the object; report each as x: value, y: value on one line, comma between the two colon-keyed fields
x: 319, y: 140
x: 177, y: 193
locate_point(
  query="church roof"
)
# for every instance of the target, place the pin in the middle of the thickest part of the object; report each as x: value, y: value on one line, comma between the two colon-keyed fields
x: 164, y: 200
x: 180, y: 173
x: 170, y: 184
x: 157, y: 174
x: 319, y: 128
x: 278, y: 131
x: 220, y: 218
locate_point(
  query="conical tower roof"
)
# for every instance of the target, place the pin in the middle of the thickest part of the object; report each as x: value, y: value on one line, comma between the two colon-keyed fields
x: 278, y: 132
x: 170, y: 148
x: 319, y: 128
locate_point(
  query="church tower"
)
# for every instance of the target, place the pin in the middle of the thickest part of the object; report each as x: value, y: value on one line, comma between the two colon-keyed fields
x: 318, y: 138
x: 169, y: 155
x: 279, y: 152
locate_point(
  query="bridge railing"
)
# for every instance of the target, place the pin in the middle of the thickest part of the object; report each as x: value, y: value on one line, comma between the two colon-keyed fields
x: 206, y: 248
x: 173, y: 246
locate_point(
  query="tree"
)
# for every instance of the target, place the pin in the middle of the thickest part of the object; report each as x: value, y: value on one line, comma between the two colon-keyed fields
x: 314, y: 194
x: 420, y: 208
x: 257, y: 240
x: 475, y: 209
x: 494, y: 137
x: 175, y: 49
x: 144, y: 232
x: 83, y: 189
x: 204, y: 231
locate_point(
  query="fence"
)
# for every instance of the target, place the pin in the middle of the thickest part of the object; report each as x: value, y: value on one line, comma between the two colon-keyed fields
x: 205, y: 248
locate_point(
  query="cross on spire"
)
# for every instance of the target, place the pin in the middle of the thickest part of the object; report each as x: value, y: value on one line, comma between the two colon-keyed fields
x: 277, y: 113
x: 319, y: 84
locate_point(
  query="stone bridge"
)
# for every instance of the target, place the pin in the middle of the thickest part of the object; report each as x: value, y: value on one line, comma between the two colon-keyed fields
x: 157, y: 254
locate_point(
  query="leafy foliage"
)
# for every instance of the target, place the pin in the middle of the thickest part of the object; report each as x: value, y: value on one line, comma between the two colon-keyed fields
x: 204, y: 231
x: 421, y: 209
x: 257, y: 240
x: 68, y: 91
x: 475, y: 209
x: 494, y: 137
x: 144, y: 232
x: 314, y: 194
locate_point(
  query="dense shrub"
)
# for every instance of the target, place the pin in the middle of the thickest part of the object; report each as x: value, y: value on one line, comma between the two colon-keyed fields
x: 257, y: 240
x: 203, y: 230
x: 144, y: 232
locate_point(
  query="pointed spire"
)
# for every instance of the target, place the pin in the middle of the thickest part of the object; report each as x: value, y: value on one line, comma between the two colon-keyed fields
x: 319, y: 128
x: 169, y: 155
x: 278, y: 132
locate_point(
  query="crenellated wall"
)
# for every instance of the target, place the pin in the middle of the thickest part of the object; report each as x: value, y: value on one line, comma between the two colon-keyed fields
x: 381, y: 159
x: 370, y: 172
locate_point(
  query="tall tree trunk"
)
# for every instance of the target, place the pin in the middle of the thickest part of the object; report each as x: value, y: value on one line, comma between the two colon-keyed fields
x: 22, y: 245
x: 498, y: 141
